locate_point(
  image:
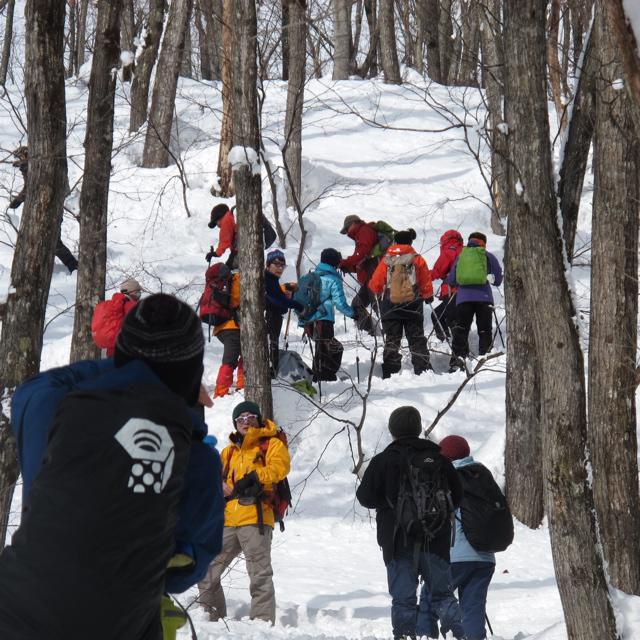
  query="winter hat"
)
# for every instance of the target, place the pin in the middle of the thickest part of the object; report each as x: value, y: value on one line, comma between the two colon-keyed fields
x: 405, y: 422
x: 454, y: 447
x: 331, y: 257
x: 165, y: 333
x: 216, y: 213
x: 479, y: 238
x: 405, y: 237
x: 131, y: 287
x: 348, y: 221
x: 274, y: 255
x: 248, y: 407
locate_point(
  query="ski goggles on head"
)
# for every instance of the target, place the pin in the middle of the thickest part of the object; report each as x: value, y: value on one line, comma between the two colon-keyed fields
x: 246, y: 419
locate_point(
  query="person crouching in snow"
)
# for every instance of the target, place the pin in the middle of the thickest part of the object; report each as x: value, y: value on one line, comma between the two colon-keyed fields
x: 402, y: 279
x: 278, y: 301
x: 247, y: 474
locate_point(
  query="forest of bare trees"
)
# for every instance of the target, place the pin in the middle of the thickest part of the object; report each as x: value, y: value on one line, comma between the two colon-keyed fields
x: 571, y: 452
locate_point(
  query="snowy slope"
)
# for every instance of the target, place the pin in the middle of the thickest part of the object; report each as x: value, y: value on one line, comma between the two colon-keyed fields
x: 329, y: 576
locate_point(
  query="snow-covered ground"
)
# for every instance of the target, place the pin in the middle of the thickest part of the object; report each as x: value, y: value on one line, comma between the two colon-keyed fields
x: 329, y: 576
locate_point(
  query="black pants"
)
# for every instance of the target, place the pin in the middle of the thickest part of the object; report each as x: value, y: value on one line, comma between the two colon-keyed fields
x: 274, y: 326
x: 414, y: 330
x: 364, y: 299
x: 465, y: 313
x: 231, y: 352
x: 327, y: 356
x: 444, y: 318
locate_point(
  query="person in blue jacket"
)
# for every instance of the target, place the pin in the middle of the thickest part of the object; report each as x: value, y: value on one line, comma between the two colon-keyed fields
x: 279, y: 300
x: 327, y: 356
x: 122, y: 500
x: 471, y: 570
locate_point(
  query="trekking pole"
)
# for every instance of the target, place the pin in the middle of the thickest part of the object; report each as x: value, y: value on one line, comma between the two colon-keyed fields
x: 486, y: 617
x: 498, y: 331
x: 313, y: 359
x: 444, y: 333
x: 286, y: 332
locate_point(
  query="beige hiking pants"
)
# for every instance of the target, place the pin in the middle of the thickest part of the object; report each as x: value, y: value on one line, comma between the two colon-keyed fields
x: 257, y: 553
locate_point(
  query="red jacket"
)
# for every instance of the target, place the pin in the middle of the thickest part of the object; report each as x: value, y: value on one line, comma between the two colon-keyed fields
x: 107, y: 320
x: 366, y: 238
x: 451, y: 244
x: 226, y: 239
x: 423, y: 277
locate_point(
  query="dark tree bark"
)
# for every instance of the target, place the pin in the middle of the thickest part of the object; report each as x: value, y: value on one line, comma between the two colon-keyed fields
x: 142, y: 78
x: 209, y: 26
x: 370, y: 10
x: 553, y: 61
x: 388, y: 51
x: 614, y: 317
x: 286, y: 55
x: 6, y: 42
x: 23, y: 324
x: 73, y: 46
x: 493, y: 62
x: 247, y: 178
x: 295, y: 98
x: 127, y: 35
x: 186, y: 68
x: 533, y: 214
x: 445, y: 42
x: 225, y: 187
x: 81, y: 39
x: 432, y: 38
x: 470, y: 41
x: 94, y: 197
x: 158, y: 140
x: 576, y: 149
x: 341, y: 39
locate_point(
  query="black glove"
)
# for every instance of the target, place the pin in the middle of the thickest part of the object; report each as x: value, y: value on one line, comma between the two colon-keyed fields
x: 248, y: 485
x: 211, y: 254
x: 428, y: 300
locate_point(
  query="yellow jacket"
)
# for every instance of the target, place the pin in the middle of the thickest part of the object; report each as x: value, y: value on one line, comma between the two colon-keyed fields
x: 234, y: 303
x: 240, y: 458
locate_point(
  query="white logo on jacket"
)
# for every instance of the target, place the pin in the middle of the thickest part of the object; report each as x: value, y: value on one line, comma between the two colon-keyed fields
x: 151, y: 448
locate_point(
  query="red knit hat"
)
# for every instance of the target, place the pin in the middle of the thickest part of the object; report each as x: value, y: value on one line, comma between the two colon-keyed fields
x: 454, y: 447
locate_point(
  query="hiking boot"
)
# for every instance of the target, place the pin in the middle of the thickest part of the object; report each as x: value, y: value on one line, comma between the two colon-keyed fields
x: 456, y: 364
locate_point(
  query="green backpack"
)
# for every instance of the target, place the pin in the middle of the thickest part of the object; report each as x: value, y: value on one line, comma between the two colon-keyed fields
x: 385, y: 237
x: 472, y: 266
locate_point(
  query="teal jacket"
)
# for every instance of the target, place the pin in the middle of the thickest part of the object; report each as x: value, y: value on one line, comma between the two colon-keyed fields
x: 332, y: 295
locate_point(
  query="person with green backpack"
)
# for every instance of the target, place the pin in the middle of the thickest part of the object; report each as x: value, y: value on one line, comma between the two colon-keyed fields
x: 473, y: 273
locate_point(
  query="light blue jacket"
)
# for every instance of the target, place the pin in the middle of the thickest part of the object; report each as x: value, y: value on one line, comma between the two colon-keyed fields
x: 332, y: 295
x: 462, y: 551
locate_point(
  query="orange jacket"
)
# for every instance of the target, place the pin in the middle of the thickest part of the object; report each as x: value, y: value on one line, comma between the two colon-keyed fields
x: 234, y: 304
x: 423, y: 276
x: 241, y: 458
x: 227, y: 237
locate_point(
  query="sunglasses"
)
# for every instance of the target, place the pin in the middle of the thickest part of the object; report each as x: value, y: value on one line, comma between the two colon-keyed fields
x: 246, y: 419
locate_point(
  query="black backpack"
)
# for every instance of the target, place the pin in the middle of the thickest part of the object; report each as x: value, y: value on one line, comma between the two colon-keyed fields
x: 424, y: 502
x: 485, y: 516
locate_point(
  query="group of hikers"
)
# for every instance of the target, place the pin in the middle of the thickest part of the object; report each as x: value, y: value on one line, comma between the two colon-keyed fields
x: 126, y: 499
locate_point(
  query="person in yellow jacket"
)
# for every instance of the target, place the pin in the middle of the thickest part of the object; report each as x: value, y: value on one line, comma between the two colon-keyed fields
x: 248, y: 473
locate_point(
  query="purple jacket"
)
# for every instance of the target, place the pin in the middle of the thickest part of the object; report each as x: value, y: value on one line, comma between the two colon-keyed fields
x: 476, y: 292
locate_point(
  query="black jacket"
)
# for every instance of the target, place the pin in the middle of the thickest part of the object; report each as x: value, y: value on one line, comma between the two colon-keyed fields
x: 90, y: 557
x: 379, y: 490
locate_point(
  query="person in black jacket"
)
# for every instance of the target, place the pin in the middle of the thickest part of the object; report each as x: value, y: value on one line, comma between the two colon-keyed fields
x: 409, y: 557
x: 278, y: 302
x: 122, y: 499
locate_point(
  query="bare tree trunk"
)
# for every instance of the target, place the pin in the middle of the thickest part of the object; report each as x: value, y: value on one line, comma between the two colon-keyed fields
x: 553, y: 62
x: 225, y: 178
x: 342, y: 39
x: 406, y: 14
x: 81, y: 40
x: 146, y: 60
x: 94, y: 197
x: 127, y: 35
x: 374, y: 31
x: 286, y: 54
x: 209, y: 26
x: 186, y: 68
x: 445, y: 42
x: 432, y: 37
x: 388, y: 51
x: 204, y: 47
x: 614, y: 317
x: 421, y: 34
x: 248, y: 181
x: 295, y: 98
x: 6, y: 42
x: 468, y: 64
x: 23, y: 323
x: 214, y: 35
x: 493, y: 62
x: 73, y: 45
x: 576, y: 148
x: 158, y: 140
x: 533, y: 213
